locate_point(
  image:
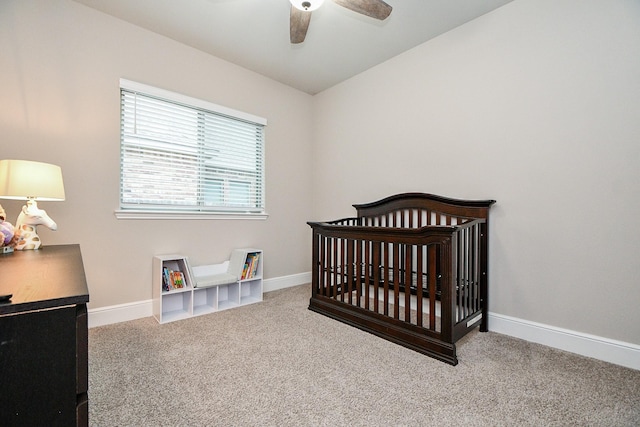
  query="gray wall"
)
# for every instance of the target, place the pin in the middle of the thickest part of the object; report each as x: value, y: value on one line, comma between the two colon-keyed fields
x: 536, y: 105
x: 60, y: 65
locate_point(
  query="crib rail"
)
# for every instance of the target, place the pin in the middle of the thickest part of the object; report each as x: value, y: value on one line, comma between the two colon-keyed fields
x: 424, y: 202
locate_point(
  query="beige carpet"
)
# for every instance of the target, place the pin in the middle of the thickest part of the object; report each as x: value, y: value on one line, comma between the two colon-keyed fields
x: 276, y: 363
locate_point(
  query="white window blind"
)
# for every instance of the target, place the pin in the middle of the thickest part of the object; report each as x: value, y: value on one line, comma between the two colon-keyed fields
x: 181, y: 154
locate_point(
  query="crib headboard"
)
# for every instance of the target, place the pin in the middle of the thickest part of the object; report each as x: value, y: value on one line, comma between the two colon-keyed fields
x: 419, y: 209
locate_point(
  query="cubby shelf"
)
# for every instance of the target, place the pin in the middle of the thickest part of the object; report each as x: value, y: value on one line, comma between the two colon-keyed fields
x: 201, y: 293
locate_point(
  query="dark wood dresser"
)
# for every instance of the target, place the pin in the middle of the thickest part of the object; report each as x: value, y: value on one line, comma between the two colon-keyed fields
x: 43, y: 338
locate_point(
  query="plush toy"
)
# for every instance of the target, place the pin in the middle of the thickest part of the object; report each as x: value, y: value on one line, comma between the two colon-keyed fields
x: 6, y: 229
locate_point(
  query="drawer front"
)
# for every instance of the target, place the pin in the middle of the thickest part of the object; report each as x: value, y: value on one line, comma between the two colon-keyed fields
x: 38, y: 368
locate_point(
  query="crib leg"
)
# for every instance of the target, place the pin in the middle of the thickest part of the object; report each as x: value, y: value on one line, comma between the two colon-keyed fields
x: 484, y: 279
x: 484, y: 307
x: 484, y: 324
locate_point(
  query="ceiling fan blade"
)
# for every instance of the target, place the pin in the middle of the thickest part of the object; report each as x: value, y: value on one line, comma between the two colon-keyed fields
x: 298, y: 25
x: 374, y: 8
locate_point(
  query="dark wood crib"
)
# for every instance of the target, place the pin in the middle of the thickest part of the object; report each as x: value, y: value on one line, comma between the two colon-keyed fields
x: 410, y: 268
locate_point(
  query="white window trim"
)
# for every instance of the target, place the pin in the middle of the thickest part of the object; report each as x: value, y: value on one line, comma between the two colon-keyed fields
x: 149, y: 214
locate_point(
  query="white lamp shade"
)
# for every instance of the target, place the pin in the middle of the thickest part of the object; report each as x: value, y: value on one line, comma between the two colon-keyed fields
x: 307, y: 5
x: 24, y: 179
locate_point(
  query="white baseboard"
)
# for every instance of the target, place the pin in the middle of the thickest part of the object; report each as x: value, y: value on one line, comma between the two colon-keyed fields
x: 608, y: 350
x: 119, y: 313
x: 137, y: 310
x: 286, y: 282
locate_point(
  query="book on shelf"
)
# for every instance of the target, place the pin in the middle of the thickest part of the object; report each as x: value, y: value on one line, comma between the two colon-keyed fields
x: 177, y: 279
x: 166, y: 281
x: 172, y: 279
x: 251, y: 266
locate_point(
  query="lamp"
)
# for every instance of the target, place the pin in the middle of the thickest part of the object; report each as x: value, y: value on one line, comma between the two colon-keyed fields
x: 31, y: 181
x: 306, y: 5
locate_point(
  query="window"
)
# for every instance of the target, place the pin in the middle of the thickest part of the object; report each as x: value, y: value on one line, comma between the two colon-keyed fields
x: 184, y: 157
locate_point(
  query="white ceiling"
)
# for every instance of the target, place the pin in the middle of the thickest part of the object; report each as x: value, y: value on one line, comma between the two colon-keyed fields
x: 255, y: 33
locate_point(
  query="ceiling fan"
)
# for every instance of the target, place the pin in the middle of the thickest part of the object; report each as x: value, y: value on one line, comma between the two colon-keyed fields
x: 301, y: 13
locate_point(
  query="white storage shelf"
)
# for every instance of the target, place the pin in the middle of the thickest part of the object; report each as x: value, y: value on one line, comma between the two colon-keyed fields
x: 205, y: 289
x: 250, y: 291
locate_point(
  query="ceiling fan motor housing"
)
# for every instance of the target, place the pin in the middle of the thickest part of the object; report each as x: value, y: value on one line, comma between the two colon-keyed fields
x: 307, y: 5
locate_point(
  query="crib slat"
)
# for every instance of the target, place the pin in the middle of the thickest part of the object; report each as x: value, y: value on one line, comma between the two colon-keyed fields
x: 357, y: 267
x: 461, y: 275
x: 433, y: 276
x: 337, y: 253
x: 326, y: 267
x: 460, y: 284
x: 465, y: 271
x: 396, y: 281
x: 326, y: 254
x: 343, y: 269
x: 385, y: 260
x: 376, y: 275
x: 465, y: 255
x: 329, y: 267
x: 419, y: 283
x: 348, y: 271
x: 473, y: 272
x: 408, y: 281
x: 335, y: 268
x: 367, y: 272
x: 469, y: 256
x: 319, y: 258
x: 478, y: 266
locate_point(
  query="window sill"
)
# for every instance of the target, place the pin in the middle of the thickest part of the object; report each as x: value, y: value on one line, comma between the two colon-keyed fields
x: 131, y: 214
